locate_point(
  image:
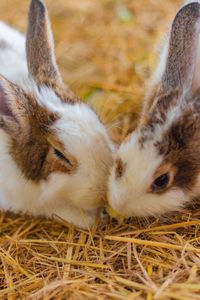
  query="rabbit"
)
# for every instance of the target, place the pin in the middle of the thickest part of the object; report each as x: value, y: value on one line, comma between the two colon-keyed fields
x: 55, y: 154
x: 156, y: 168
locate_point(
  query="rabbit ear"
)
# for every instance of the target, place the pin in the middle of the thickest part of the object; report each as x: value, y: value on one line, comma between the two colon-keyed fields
x: 12, y: 106
x: 40, y: 46
x: 181, y: 55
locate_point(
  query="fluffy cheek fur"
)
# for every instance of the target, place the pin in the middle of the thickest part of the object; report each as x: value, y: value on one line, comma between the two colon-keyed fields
x: 62, y: 189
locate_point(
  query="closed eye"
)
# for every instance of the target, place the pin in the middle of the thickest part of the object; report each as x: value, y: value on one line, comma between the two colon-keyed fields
x: 62, y: 157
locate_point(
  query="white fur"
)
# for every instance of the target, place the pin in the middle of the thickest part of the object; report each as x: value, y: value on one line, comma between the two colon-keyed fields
x: 13, y: 63
x: 83, y: 136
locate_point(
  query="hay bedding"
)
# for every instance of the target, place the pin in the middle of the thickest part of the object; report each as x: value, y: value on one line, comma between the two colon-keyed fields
x: 106, y: 50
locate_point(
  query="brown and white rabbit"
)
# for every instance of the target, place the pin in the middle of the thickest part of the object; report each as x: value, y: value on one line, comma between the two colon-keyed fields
x: 157, y: 168
x: 54, y: 152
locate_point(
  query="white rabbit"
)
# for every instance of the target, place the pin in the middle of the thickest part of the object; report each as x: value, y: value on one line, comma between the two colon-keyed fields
x: 157, y: 167
x: 54, y: 152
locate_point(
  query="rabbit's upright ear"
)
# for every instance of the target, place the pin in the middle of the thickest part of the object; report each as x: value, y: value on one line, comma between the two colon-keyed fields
x: 182, y: 50
x: 40, y: 46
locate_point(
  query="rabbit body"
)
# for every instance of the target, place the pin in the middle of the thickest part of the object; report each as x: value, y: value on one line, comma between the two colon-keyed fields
x: 55, y: 153
x: 157, y: 168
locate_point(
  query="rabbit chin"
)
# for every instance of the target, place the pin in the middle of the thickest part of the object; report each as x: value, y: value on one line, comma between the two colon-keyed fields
x: 133, y: 202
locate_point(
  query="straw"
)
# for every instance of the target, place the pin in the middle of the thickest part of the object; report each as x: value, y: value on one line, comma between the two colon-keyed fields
x: 106, y: 51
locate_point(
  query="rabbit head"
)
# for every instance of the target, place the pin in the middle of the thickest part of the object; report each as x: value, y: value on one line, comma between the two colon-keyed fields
x: 157, y: 167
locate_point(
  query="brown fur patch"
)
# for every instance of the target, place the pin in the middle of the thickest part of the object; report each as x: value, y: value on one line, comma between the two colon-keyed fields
x: 66, y: 94
x: 32, y: 149
x: 32, y: 140
x: 119, y: 168
x: 181, y: 146
x: 156, y: 113
x: 142, y: 140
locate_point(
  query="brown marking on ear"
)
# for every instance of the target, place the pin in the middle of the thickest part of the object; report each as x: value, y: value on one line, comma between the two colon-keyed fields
x: 65, y: 94
x: 39, y: 46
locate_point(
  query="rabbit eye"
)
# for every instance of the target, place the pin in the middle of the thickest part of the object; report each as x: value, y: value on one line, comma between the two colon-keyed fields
x: 62, y: 157
x: 160, y: 183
